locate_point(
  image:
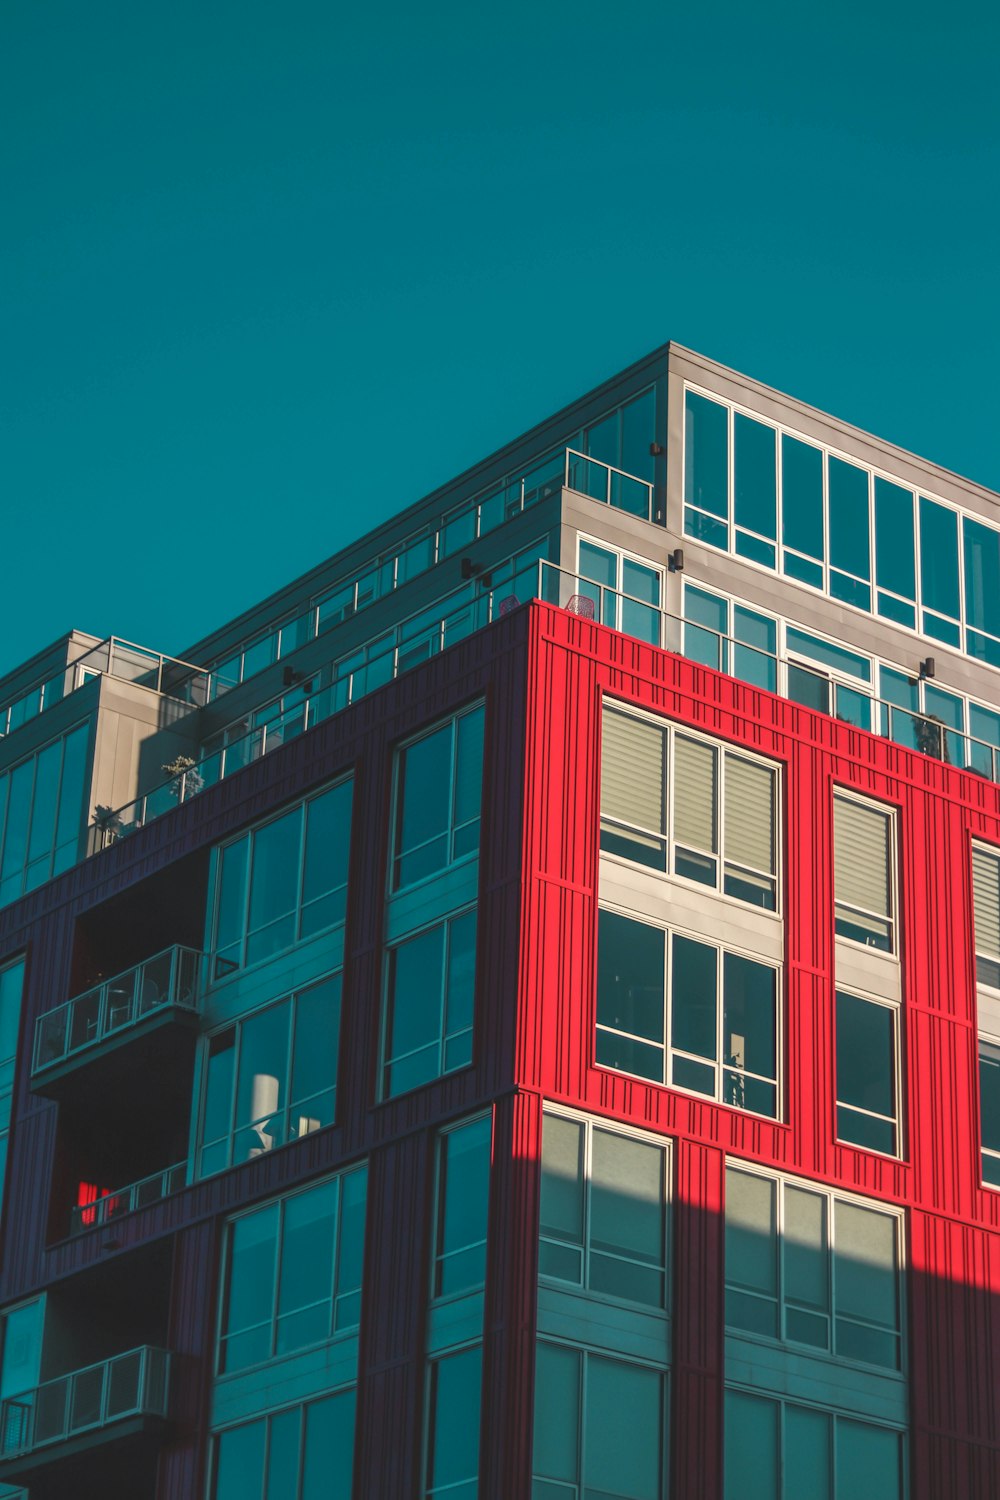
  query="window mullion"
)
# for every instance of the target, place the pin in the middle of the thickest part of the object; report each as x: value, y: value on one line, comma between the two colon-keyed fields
x: 279, y: 1255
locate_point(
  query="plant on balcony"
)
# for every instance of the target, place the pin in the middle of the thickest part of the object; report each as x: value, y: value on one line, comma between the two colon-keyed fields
x: 181, y: 773
x: 106, y: 819
x: 931, y: 737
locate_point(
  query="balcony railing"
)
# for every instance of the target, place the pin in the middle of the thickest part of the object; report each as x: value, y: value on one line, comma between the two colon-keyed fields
x: 113, y: 658
x: 121, y: 1201
x: 109, y: 1010
x: 129, y: 1385
x: 458, y: 614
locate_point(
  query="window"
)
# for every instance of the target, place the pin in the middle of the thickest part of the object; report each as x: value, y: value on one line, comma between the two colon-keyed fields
x: 867, y: 1066
x: 687, y: 1013
x: 626, y: 590
x: 599, y: 1427
x: 293, y: 1273
x: 429, y: 1004
x: 439, y: 792
x: 719, y: 804
x: 271, y: 1077
x: 730, y: 637
x: 986, y: 906
x: 453, y: 1419
x: 463, y: 1192
x: 603, y: 1211
x: 811, y: 1268
x: 303, y: 1453
x: 863, y: 873
x: 11, y: 988
x: 282, y: 881
x: 42, y: 814
x: 430, y: 947
x: 777, y: 1450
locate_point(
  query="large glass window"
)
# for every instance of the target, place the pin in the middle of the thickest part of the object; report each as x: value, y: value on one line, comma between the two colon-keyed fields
x: 42, y: 814
x: 802, y: 510
x: 626, y: 590
x: 439, y: 793
x: 282, y: 881
x: 730, y: 638
x: 452, y: 1453
x: 850, y: 547
x: 11, y: 991
x: 723, y: 807
x: 430, y: 997
x: 777, y: 1450
x: 683, y: 1012
x: 808, y: 1267
x: 599, y: 1427
x: 302, y: 1453
x: 463, y: 1193
x: 755, y: 482
x: 863, y: 872
x: 706, y: 469
x: 271, y: 1077
x: 603, y: 1225
x: 986, y: 906
x: 292, y: 1276
x: 867, y: 1073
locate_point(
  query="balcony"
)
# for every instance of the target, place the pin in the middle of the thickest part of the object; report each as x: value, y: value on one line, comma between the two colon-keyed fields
x: 110, y: 1402
x: 108, y: 1208
x: 115, y: 1013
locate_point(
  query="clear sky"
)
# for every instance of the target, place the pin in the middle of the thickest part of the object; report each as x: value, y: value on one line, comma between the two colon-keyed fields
x: 269, y: 272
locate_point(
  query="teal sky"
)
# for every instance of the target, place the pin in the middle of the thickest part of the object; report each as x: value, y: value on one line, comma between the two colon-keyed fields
x: 270, y: 272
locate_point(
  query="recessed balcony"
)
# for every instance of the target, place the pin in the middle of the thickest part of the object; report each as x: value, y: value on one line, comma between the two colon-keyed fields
x: 105, y: 1208
x: 161, y: 991
x: 112, y: 1402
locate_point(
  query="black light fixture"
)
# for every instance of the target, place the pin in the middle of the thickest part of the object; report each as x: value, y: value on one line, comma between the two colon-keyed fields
x: 675, y: 562
x: 656, y: 450
x: 926, y: 668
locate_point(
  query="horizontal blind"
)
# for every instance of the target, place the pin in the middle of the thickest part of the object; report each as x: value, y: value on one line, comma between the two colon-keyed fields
x: 749, y: 814
x: 986, y: 894
x: 861, y: 856
x: 632, y: 771
x: 694, y: 794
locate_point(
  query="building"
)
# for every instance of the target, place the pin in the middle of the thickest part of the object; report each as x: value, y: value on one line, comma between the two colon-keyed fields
x: 518, y: 1012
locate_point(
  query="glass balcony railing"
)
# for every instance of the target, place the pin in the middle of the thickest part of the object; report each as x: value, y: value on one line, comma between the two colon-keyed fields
x: 458, y: 614
x: 135, y: 1384
x: 109, y: 1207
x: 112, y: 658
x: 168, y: 981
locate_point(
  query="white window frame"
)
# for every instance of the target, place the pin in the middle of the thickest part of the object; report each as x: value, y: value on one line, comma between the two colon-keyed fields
x: 832, y: 1195
x: 896, y: 1011
x: 671, y: 728
x: 891, y: 812
x: 621, y: 556
x: 645, y: 1138
x: 668, y: 1050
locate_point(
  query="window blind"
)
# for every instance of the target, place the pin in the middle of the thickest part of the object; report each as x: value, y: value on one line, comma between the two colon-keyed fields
x: 632, y: 771
x: 749, y: 814
x: 986, y: 900
x: 861, y: 856
x: 694, y: 794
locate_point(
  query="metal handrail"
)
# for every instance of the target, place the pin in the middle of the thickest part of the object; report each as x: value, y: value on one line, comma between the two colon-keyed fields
x: 357, y: 673
x: 85, y: 1400
x: 127, y: 1200
x: 70, y: 678
x: 169, y: 978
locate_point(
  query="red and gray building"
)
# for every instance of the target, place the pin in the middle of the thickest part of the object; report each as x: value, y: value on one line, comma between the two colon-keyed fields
x: 517, y: 1013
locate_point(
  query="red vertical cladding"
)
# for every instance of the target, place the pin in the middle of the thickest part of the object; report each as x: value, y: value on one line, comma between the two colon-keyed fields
x: 698, y: 1369
x: 394, y: 1297
x: 953, y: 1278
x: 191, y: 1341
x: 509, y: 1321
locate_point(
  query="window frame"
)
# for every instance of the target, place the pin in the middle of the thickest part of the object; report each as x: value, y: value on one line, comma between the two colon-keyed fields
x: 831, y: 1195
x: 987, y: 1029
x: 895, y: 1009
x: 583, y: 1288
x: 722, y: 749
x: 719, y: 1066
x: 236, y: 1025
x: 250, y: 833
x: 890, y: 812
x: 437, y: 1256
x: 389, y: 950
x: 271, y: 1321
x: 394, y: 887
